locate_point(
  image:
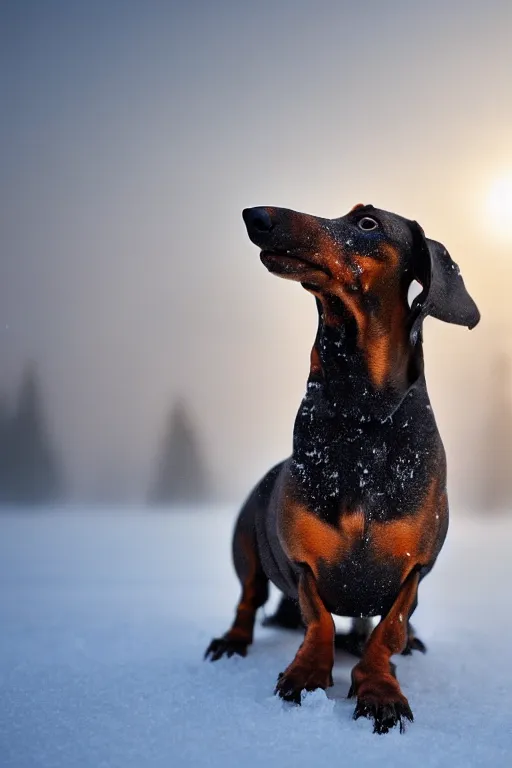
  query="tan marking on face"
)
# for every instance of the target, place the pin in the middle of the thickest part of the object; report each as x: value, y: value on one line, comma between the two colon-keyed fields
x: 382, y: 338
x: 391, y: 254
x: 356, y: 207
x: 339, y: 285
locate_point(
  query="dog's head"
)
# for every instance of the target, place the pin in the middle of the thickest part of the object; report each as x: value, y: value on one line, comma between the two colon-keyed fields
x: 367, y: 259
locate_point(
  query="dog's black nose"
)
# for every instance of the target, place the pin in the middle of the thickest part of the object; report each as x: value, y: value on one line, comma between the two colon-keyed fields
x: 257, y: 219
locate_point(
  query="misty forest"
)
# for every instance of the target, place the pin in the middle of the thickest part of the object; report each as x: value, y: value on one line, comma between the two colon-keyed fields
x: 33, y: 469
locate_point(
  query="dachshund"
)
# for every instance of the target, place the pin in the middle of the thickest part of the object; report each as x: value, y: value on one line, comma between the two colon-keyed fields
x: 356, y: 517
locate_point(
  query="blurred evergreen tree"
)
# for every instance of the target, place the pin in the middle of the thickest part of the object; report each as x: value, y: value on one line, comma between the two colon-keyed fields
x: 4, y: 426
x: 29, y: 466
x: 181, y: 475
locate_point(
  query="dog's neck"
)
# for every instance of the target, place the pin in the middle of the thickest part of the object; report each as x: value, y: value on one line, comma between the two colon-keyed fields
x: 346, y: 420
x: 362, y: 373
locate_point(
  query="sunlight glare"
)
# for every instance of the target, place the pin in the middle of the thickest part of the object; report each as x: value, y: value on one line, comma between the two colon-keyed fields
x: 499, y: 207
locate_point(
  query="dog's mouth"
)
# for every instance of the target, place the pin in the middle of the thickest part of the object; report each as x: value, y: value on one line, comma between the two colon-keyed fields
x: 289, y: 263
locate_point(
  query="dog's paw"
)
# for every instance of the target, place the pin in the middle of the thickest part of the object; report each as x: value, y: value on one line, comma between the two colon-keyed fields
x: 295, y: 679
x: 380, y: 699
x: 385, y: 715
x: 225, y: 646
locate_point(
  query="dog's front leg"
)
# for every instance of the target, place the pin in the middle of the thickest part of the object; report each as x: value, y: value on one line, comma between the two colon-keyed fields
x: 373, y: 678
x: 313, y: 663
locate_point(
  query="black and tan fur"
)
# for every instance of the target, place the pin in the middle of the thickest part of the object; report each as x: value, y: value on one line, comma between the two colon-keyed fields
x: 355, y: 518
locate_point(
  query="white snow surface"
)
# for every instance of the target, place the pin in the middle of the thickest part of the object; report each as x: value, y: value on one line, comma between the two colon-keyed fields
x: 105, y: 616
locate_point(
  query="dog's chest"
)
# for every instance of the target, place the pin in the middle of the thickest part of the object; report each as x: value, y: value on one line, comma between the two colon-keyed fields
x: 355, y: 460
x: 359, y: 563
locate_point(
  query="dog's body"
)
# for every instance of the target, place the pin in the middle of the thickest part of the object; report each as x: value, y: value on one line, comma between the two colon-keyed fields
x: 356, y: 517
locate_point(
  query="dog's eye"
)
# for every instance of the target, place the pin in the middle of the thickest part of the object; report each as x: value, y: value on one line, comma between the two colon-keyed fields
x: 366, y: 224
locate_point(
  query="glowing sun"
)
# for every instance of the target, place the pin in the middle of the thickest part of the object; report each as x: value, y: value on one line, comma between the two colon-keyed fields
x: 499, y: 206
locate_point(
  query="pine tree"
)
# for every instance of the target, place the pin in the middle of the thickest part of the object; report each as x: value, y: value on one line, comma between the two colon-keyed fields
x: 32, y: 471
x: 4, y: 426
x: 181, y: 475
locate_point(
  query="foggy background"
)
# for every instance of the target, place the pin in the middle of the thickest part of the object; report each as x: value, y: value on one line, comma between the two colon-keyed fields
x: 135, y: 315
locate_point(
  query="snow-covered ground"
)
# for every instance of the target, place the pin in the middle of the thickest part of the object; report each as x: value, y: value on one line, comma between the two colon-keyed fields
x: 104, y: 618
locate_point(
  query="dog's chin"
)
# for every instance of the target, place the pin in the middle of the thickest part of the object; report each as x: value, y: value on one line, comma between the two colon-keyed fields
x: 291, y: 267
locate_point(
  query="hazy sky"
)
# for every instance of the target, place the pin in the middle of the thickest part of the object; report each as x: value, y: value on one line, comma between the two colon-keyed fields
x: 132, y: 135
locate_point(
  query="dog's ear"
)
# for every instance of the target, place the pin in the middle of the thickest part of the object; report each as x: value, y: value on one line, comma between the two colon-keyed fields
x: 444, y: 294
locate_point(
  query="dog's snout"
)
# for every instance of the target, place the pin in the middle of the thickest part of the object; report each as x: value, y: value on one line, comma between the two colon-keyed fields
x: 257, y: 219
